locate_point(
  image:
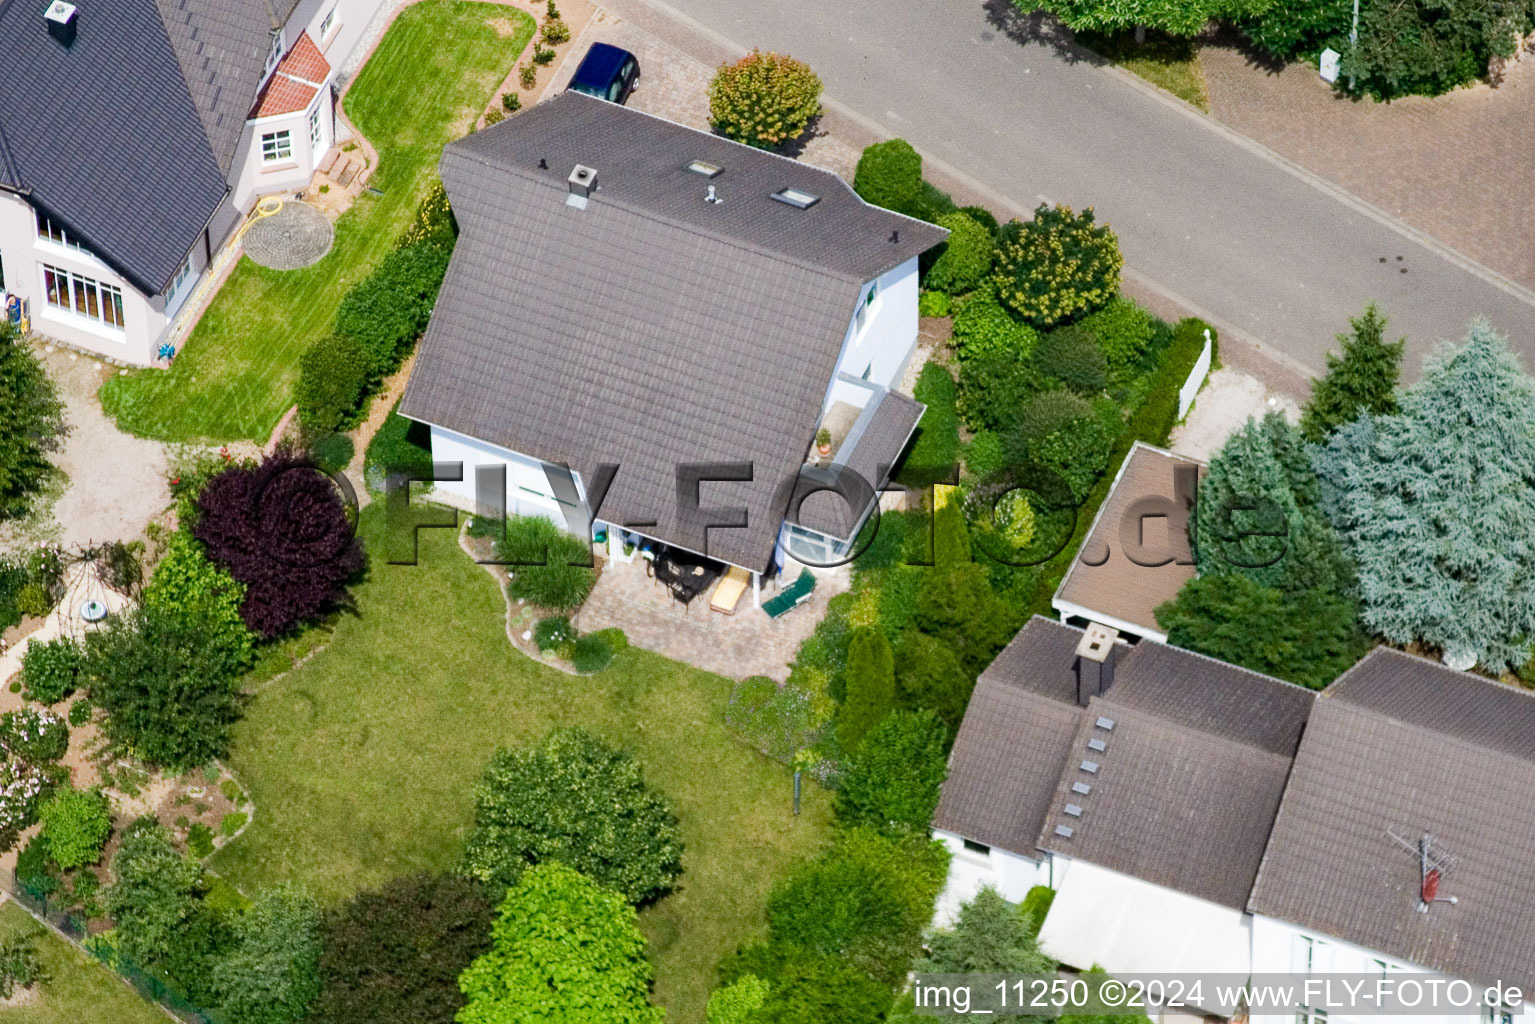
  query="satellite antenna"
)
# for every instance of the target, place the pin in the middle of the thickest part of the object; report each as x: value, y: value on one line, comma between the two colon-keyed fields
x: 1433, y: 864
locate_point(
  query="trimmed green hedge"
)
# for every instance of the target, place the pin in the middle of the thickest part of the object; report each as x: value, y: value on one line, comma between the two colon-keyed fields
x: 936, y: 447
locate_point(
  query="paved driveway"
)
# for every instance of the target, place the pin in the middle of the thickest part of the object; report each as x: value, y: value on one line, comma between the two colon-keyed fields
x: 1202, y: 216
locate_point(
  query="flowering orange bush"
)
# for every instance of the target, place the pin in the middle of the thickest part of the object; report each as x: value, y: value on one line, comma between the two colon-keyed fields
x: 1057, y: 266
x: 763, y: 99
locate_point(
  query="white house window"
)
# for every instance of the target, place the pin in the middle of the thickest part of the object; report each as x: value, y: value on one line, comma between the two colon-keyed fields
x: 865, y: 306
x: 53, y: 231
x: 314, y: 132
x: 276, y: 146
x: 274, y: 55
x: 83, y: 296
x: 182, y: 273
x: 328, y: 24
x: 974, y: 847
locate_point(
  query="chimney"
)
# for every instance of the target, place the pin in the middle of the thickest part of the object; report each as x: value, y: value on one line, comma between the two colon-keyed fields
x: 62, y: 20
x: 582, y: 181
x: 1094, y: 664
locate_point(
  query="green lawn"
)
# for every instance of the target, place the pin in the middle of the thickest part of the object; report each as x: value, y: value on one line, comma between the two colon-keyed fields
x: 1168, y: 62
x: 79, y: 990
x: 435, y: 70
x: 361, y: 761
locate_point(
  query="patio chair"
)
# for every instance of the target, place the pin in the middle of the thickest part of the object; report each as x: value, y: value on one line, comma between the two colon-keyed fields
x: 790, y: 597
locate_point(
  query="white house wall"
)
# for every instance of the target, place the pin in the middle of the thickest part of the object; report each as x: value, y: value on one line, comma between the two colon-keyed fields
x: 528, y: 488
x: 887, y: 338
x: 22, y: 255
x: 1279, y: 947
x: 970, y: 871
x: 258, y: 178
x: 352, y: 18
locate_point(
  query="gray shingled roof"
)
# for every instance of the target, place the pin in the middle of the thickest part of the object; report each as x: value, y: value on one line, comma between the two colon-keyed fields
x: 652, y: 328
x: 1014, y: 741
x: 874, y: 453
x: 117, y: 146
x: 222, y: 47
x: 1405, y: 746
x: 1188, y: 780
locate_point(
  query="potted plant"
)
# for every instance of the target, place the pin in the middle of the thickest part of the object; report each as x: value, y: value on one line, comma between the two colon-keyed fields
x: 823, y: 442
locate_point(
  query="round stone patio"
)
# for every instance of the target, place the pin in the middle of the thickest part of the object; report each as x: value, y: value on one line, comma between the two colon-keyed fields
x: 295, y: 236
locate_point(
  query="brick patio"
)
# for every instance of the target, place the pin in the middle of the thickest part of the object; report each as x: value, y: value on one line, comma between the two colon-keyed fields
x: 1454, y: 166
x: 747, y: 643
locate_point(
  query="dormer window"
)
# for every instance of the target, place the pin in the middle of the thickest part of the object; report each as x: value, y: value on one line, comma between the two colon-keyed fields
x: 274, y: 55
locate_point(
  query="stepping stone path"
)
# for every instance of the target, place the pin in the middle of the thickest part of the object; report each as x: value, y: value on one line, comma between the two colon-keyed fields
x: 295, y: 236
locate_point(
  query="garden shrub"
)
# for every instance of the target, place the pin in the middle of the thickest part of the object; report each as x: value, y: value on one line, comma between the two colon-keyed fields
x: 374, y: 961
x: 20, y: 966
x: 80, y: 711
x: 283, y: 531
x: 21, y: 784
x: 892, y: 783
x: 1298, y: 28
x: 552, y: 633
x: 806, y: 987
x: 34, y: 601
x: 935, y: 450
x: 200, y: 840
x: 983, y: 327
x: 777, y: 720
x: 1153, y: 421
x: 433, y: 225
x: 187, y: 585
x: 31, y: 422
x: 930, y: 676
x: 511, y: 102
x: 233, y: 822
x: 889, y: 175
x: 1428, y: 47
x: 400, y: 446
x: 1036, y: 904
x: 966, y: 257
x: 548, y: 566
x: 865, y: 899
x: 564, y: 950
x: 737, y: 1002
x: 386, y: 311
x: 13, y: 576
x: 1059, y: 432
x: 34, y: 870
x: 591, y: 653
x: 493, y: 116
x: 50, y: 669
x: 870, y: 687
x: 1071, y: 355
x: 169, y: 686
x: 984, y: 454
x: 154, y: 892
x: 1057, y: 267
x: 575, y: 800
x: 333, y: 452
x: 1124, y: 332
x: 960, y: 609
x: 271, y: 973
x: 982, y: 216
x: 932, y: 303
x: 35, y: 735
x: 76, y: 823
x: 555, y: 32
x: 333, y: 377
x: 763, y: 99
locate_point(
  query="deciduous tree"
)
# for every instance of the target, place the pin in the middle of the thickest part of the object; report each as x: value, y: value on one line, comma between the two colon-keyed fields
x: 892, y: 783
x: 271, y: 973
x: 31, y: 422
x: 564, y: 950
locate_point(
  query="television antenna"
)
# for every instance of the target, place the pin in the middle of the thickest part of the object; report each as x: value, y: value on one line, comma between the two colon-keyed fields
x: 1434, y: 862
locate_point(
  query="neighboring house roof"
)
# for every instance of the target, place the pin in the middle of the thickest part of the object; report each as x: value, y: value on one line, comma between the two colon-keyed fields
x: 1014, y: 741
x: 295, y: 82
x: 651, y: 328
x: 1188, y: 778
x: 127, y: 135
x: 1102, y: 582
x: 1404, y: 746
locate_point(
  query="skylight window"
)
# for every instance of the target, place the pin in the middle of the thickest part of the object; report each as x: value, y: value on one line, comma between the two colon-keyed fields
x: 705, y: 168
x: 797, y: 197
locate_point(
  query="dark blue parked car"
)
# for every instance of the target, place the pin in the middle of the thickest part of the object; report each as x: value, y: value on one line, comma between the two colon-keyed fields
x: 607, y: 72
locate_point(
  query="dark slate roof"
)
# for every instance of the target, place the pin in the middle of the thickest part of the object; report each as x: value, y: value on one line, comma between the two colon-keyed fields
x: 1403, y: 746
x: 1015, y: 740
x: 874, y: 453
x: 652, y: 328
x: 118, y: 146
x: 1188, y: 780
x: 222, y: 47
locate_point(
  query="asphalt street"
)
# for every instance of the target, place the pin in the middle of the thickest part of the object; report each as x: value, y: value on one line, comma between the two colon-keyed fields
x: 1201, y: 214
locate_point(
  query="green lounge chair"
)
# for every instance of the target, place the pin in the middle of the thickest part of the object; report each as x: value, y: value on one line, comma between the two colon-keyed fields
x: 790, y: 597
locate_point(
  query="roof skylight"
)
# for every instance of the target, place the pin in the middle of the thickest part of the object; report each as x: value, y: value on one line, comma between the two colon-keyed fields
x: 797, y: 197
